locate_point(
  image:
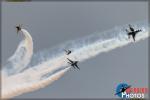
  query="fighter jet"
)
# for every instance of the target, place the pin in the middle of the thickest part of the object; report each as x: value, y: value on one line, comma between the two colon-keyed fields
x: 67, y: 52
x: 18, y: 28
x: 123, y: 89
x: 132, y: 32
x: 73, y: 63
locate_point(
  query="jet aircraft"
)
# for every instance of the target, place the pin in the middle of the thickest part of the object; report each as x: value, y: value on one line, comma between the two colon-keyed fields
x: 132, y: 32
x: 123, y: 89
x: 18, y: 28
x: 73, y: 63
x: 67, y: 52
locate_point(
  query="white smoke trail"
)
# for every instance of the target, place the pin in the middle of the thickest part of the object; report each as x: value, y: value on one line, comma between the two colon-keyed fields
x: 90, y: 46
x: 22, y: 56
x: 54, y: 61
x: 23, y: 83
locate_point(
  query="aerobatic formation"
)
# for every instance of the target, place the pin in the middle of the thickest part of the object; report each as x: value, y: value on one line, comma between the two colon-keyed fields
x: 34, y: 71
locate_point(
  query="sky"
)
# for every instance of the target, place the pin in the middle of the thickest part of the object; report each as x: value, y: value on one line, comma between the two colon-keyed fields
x: 52, y: 23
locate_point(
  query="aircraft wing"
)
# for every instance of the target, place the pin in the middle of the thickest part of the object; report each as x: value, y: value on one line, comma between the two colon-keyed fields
x: 132, y: 29
x: 76, y: 66
x: 133, y: 37
x: 70, y: 60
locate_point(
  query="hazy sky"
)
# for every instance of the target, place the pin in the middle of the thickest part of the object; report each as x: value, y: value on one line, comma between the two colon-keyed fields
x: 52, y: 23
